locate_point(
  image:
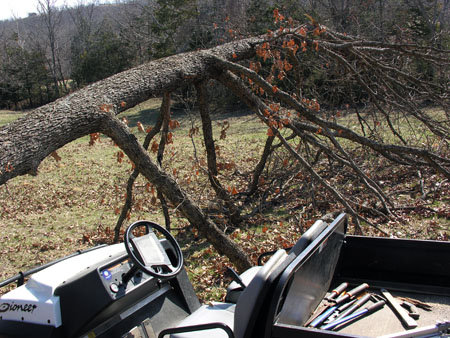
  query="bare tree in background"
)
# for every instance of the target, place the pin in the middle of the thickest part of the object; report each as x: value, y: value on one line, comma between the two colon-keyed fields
x: 52, y: 19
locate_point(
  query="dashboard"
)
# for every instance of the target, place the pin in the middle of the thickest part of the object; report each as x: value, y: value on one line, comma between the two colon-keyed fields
x: 103, y: 292
x: 100, y: 292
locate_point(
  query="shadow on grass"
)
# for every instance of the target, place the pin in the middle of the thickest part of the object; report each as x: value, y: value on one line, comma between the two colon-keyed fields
x: 145, y: 116
x: 148, y: 117
x: 189, y: 243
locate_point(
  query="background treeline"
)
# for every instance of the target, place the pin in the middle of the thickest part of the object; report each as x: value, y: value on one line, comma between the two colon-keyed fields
x: 57, y: 50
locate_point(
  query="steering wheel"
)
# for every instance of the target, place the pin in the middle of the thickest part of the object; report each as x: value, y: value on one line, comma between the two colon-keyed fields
x: 147, y: 253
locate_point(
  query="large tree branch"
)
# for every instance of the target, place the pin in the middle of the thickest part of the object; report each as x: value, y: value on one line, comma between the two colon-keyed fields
x: 202, y: 100
x: 343, y: 132
x: 255, y: 103
x: 26, y: 142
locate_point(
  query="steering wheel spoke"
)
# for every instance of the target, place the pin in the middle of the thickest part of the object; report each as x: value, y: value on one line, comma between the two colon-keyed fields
x: 170, y: 267
x: 148, y: 254
x: 162, y: 269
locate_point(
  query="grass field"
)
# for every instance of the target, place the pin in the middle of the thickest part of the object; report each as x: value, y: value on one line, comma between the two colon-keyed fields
x: 74, y: 203
x: 7, y: 116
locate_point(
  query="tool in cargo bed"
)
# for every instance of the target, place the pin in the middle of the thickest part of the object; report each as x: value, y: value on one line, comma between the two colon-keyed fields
x: 401, y: 312
x: 352, y: 293
x: 417, y: 303
x: 329, y: 309
x: 340, y: 309
x: 323, y: 316
x: 426, y: 331
x: 360, y: 302
x: 411, y: 308
x: 355, y: 316
x: 327, y: 302
x: 337, y: 291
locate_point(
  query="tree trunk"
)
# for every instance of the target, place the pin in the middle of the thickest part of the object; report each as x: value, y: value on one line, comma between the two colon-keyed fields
x: 202, y: 98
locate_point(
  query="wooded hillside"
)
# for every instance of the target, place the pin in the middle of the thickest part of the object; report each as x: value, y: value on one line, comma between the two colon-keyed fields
x: 57, y: 50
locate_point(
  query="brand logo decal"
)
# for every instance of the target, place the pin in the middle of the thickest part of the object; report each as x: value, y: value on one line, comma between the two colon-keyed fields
x: 11, y: 307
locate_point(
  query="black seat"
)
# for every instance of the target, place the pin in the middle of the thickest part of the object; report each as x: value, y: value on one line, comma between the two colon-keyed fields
x: 242, y: 317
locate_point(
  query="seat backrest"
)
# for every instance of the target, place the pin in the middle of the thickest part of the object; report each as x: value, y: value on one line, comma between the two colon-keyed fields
x: 310, y: 235
x: 250, y: 302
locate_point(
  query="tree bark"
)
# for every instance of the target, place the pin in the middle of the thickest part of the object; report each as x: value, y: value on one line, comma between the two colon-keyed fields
x: 134, y: 175
x: 165, y: 111
x: 261, y: 165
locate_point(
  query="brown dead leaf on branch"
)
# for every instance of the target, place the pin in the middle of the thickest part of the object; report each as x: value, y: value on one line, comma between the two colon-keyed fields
x: 94, y: 137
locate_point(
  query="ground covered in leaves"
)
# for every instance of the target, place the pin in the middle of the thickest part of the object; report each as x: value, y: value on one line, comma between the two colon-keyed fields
x: 75, y: 200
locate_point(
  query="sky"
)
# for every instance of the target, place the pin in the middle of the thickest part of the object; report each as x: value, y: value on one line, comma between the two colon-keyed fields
x: 21, y: 8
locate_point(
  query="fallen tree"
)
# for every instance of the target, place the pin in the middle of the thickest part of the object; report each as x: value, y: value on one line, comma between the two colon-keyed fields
x: 266, y: 72
x: 25, y: 143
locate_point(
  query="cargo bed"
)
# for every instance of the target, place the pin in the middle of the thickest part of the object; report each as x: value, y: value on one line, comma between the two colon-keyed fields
x: 418, y: 270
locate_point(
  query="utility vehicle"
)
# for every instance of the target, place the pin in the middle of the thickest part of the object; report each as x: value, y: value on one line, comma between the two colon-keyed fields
x: 140, y: 288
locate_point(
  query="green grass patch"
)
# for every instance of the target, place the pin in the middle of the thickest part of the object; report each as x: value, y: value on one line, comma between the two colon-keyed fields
x: 8, y: 116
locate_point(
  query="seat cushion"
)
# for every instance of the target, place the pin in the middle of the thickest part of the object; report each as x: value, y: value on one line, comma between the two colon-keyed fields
x: 215, y: 312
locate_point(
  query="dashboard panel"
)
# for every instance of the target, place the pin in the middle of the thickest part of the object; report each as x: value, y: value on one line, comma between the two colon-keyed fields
x: 111, y: 277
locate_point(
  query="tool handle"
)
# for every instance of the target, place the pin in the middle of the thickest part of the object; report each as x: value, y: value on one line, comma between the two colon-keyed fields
x: 341, y: 288
x: 374, y: 307
x: 345, y: 306
x: 352, y: 292
x: 337, y: 291
x: 358, y: 289
x: 360, y: 302
x: 360, y: 313
x: 401, y: 312
x: 344, y: 320
x: 412, y: 309
x: 316, y: 322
